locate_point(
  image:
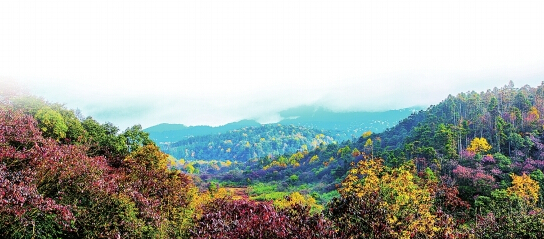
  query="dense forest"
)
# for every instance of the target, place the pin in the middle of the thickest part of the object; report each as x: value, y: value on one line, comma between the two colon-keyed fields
x: 468, y: 167
x: 250, y: 142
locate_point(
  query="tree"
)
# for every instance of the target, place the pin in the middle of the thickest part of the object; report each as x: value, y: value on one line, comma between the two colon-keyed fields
x: 515, y: 117
x: 369, y: 146
x: 293, y: 178
x: 500, y: 135
x: 295, y: 158
x: 295, y: 199
x: 521, y: 102
x: 135, y: 138
x: 405, y: 203
x: 493, y: 107
x: 445, y: 137
x: 532, y: 116
x: 103, y: 140
x: 314, y: 158
x: 525, y: 188
x: 479, y: 145
x: 75, y: 132
x: 51, y: 123
x: 148, y: 156
x: 355, y: 153
x: 25, y: 211
x: 343, y: 152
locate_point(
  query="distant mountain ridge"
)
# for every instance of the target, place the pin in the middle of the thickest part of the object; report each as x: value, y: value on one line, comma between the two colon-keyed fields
x: 170, y: 133
x: 351, y: 124
x: 345, y: 125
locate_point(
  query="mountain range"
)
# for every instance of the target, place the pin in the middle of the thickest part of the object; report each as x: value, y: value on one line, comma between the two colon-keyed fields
x: 343, y: 125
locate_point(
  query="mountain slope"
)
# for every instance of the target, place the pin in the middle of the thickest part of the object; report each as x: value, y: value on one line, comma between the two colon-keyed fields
x: 443, y: 138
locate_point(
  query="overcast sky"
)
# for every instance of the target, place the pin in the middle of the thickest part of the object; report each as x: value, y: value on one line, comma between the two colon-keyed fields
x: 213, y: 62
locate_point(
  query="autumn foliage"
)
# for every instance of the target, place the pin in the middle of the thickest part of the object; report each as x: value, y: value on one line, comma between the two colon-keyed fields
x: 478, y: 175
x: 52, y: 189
x: 479, y: 145
x: 525, y: 188
x: 382, y: 202
x: 249, y: 219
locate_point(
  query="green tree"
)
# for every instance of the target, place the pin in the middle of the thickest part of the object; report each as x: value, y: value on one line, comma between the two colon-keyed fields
x: 103, y: 140
x: 445, y: 137
x: 135, y: 138
x: 51, y: 123
x: 521, y: 102
x: 538, y: 176
x: 75, y: 131
x: 293, y: 178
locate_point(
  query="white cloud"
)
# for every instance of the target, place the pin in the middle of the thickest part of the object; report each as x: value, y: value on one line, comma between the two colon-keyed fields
x: 210, y: 62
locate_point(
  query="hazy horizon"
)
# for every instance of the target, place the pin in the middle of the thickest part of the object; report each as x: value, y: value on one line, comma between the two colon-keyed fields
x: 212, y: 62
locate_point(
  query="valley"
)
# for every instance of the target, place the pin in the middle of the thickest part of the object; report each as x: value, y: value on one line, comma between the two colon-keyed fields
x: 467, y: 165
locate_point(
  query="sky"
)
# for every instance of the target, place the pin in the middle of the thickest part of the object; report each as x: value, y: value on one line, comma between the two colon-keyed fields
x: 211, y: 62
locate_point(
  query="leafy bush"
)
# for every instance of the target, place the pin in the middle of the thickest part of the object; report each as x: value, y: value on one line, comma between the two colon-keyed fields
x: 250, y: 219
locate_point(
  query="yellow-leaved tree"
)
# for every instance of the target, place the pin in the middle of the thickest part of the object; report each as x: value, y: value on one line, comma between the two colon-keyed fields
x: 363, y: 179
x: 479, y: 145
x: 525, y: 188
x: 409, y: 204
x: 406, y: 201
x: 533, y: 114
x: 369, y: 146
x: 296, y: 198
x: 314, y: 158
x: 367, y: 134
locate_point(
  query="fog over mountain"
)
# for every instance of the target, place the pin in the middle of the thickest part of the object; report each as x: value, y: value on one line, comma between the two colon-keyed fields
x: 213, y: 62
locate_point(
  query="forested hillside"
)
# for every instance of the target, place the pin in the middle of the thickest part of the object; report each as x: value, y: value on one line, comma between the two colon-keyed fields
x: 477, y: 140
x: 496, y: 132
x: 479, y: 156
x: 250, y: 143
